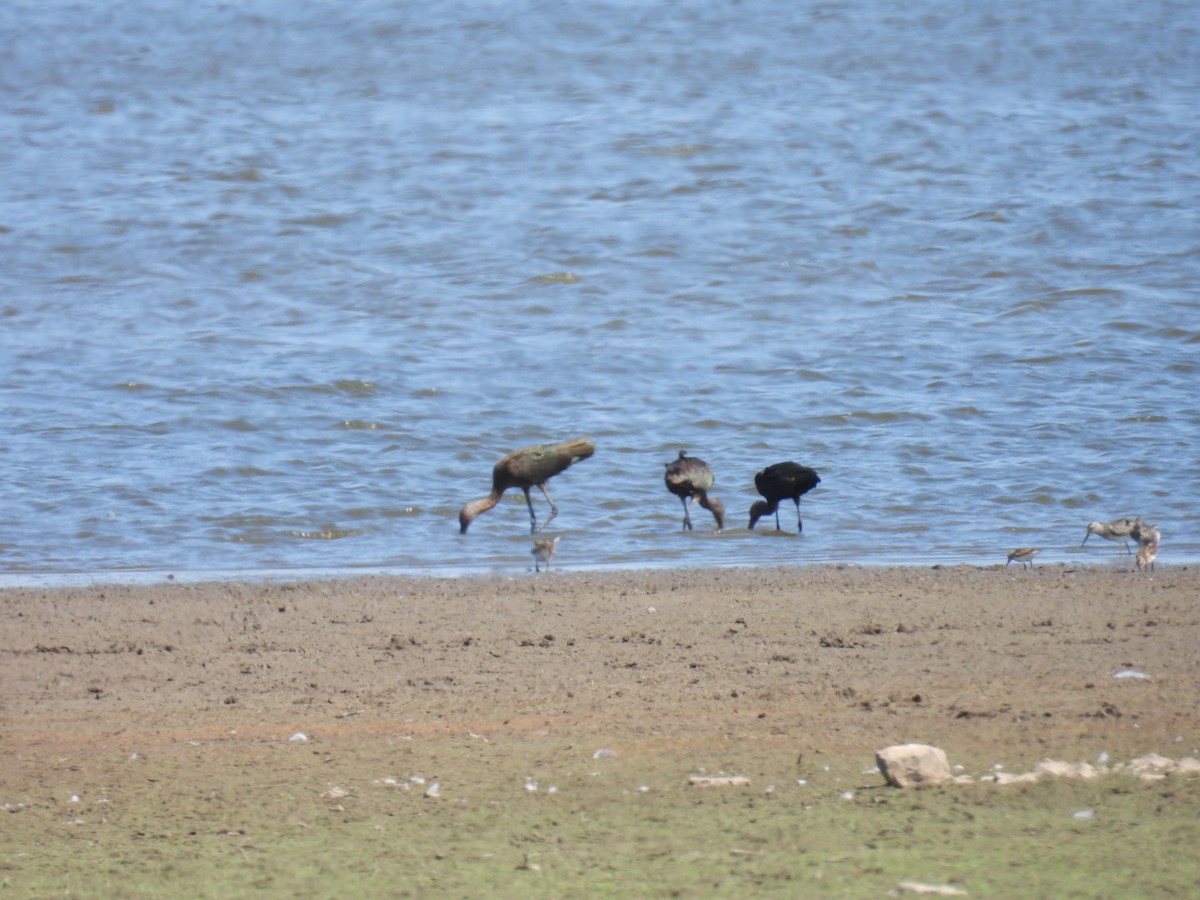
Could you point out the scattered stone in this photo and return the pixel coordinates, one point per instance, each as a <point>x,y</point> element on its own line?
<point>1152,767</point>
<point>1058,769</point>
<point>719,781</point>
<point>909,765</point>
<point>899,763</point>
<point>941,890</point>
<point>1011,778</point>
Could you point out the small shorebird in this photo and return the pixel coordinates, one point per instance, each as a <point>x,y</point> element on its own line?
<point>1024,555</point>
<point>542,550</point>
<point>528,467</point>
<point>690,479</point>
<point>1113,530</point>
<point>782,481</point>
<point>1145,533</point>
<point>1146,556</point>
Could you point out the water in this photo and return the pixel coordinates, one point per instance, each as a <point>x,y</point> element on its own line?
<point>282,281</point>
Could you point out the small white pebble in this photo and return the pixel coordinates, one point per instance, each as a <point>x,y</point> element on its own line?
<point>604,753</point>
<point>997,766</point>
<point>74,798</point>
<point>1102,757</point>
<point>801,781</point>
<point>847,795</point>
<point>1085,814</point>
<point>417,779</point>
<point>651,609</point>
<point>530,784</point>
<point>434,790</point>
<point>299,738</point>
<point>644,788</point>
<point>553,789</point>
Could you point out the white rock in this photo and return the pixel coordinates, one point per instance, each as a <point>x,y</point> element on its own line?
<point>1151,765</point>
<point>942,890</point>
<point>908,765</point>
<point>1058,769</point>
<point>1011,778</point>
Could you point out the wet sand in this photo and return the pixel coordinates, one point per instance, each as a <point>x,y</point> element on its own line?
<point>837,658</point>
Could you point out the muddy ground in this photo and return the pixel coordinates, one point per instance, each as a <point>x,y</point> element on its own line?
<point>778,674</point>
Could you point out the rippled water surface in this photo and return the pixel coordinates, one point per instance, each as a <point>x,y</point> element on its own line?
<point>281,281</point>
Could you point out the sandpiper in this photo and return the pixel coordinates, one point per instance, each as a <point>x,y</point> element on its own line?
<point>542,551</point>
<point>1145,533</point>
<point>1024,555</point>
<point>1113,530</point>
<point>1146,556</point>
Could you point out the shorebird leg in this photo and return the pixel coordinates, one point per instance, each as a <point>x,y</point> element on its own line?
<point>535,527</point>
<point>687,519</point>
<point>799,521</point>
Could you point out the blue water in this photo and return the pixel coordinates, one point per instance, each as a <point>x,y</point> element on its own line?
<point>282,281</point>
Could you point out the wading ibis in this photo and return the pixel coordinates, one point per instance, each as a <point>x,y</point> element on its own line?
<point>528,467</point>
<point>782,481</point>
<point>691,479</point>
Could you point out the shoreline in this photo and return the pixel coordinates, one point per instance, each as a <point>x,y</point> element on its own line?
<point>149,577</point>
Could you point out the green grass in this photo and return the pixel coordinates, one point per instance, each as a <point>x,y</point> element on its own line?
<point>210,821</point>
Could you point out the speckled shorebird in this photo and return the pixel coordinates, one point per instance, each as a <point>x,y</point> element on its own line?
<point>526,468</point>
<point>1146,555</point>
<point>1145,533</point>
<point>1023,555</point>
<point>542,550</point>
<point>689,478</point>
<point>782,481</point>
<point>1112,530</point>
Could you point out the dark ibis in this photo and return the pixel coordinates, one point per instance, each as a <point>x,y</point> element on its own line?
<point>782,481</point>
<point>689,478</point>
<point>528,467</point>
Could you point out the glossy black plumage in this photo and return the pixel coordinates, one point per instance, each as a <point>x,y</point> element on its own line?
<point>782,481</point>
